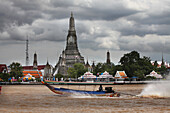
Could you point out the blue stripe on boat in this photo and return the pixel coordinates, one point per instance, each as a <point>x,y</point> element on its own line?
<point>79,91</point>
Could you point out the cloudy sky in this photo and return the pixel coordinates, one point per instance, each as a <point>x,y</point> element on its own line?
<point>119,26</point>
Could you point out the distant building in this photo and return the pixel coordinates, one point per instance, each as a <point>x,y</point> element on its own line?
<point>105,75</point>
<point>161,63</point>
<point>166,64</point>
<point>35,64</point>
<point>87,65</point>
<point>93,66</point>
<point>35,73</point>
<point>120,75</point>
<point>39,67</point>
<point>108,57</point>
<point>71,54</point>
<point>155,74</point>
<point>34,70</point>
<point>3,68</point>
<point>48,71</point>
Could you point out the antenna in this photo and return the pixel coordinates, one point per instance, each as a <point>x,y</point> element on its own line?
<point>27,56</point>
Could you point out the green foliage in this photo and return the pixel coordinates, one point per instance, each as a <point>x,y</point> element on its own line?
<point>80,69</point>
<point>101,67</point>
<point>19,80</point>
<point>162,70</point>
<point>136,66</point>
<point>16,70</point>
<point>71,72</point>
<point>139,74</point>
<point>59,76</point>
<point>77,70</point>
<point>130,58</point>
<point>38,79</point>
<point>4,76</point>
<point>98,68</point>
<point>150,78</point>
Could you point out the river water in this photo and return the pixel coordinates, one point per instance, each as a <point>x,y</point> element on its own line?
<point>39,99</point>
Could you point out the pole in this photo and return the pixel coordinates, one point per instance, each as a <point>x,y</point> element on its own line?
<point>0,89</point>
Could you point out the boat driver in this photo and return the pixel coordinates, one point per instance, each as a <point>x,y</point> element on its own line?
<point>100,88</point>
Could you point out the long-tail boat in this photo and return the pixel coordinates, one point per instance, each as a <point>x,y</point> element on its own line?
<point>64,91</point>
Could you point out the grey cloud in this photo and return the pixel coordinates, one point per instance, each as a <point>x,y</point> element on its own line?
<point>142,30</point>
<point>50,30</point>
<point>148,23</point>
<point>91,44</point>
<point>10,14</point>
<point>152,18</point>
<point>61,3</point>
<point>27,5</point>
<point>105,14</point>
<point>147,43</point>
<point>97,22</point>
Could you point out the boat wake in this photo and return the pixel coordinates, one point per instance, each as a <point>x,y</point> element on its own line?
<point>81,95</point>
<point>157,90</point>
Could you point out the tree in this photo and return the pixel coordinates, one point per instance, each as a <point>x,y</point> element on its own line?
<point>16,70</point>
<point>139,74</point>
<point>162,70</point>
<point>130,58</point>
<point>136,66</point>
<point>77,70</point>
<point>72,72</point>
<point>4,76</point>
<point>80,69</point>
<point>98,68</point>
<point>59,76</point>
<point>102,67</point>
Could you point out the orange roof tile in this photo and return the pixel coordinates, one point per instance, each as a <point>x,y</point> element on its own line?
<point>121,73</point>
<point>36,74</point>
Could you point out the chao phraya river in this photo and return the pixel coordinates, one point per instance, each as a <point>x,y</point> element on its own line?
<point>39,99</point>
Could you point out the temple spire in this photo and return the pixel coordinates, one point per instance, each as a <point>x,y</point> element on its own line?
<point>47,61</point>
<point>71,14</point>
<point>87,63</point>
<point>108,57</point>
<point>162,64</point>
<point>72,25</point>
<point>71,54</point>
<point>35,64</point>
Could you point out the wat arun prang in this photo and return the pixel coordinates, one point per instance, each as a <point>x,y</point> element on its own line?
<point>71,54</point>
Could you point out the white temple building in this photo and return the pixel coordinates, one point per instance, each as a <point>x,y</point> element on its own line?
<point>120,75</point>
<point>155,74</point>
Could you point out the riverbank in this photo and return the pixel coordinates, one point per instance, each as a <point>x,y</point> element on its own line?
<point>82,83</point>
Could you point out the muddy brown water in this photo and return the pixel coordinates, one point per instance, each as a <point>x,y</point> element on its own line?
<point>39,99</point>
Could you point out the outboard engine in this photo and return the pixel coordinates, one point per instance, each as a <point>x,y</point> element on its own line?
<point>109,90</point>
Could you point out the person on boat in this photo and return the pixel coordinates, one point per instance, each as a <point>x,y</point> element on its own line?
<point>100,88</point>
